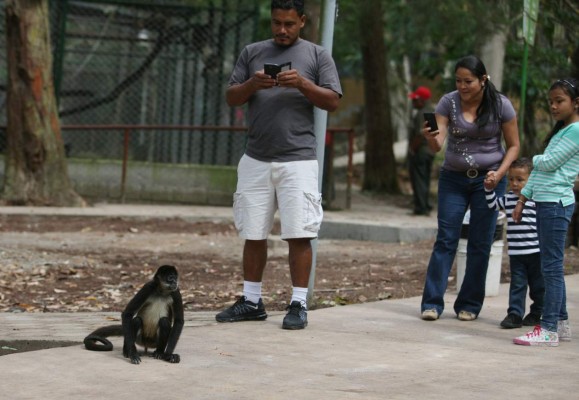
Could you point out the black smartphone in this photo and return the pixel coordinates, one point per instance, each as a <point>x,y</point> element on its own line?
<point>274,69</point>
<point>431,119</point>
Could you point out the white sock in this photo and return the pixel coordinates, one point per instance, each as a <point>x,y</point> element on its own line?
<point>252,291</point>
<point>300,294</point>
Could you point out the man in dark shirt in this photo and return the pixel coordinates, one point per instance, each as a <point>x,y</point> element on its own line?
<point>420,156</point>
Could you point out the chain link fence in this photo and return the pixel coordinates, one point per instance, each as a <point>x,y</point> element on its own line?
<point>161,63</point>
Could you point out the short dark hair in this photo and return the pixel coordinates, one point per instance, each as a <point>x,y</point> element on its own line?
<point>297,5</point>
<point>523,162</point>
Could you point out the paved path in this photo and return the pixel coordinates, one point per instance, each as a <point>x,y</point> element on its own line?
<point>380,350</point>
<point>367,219</point>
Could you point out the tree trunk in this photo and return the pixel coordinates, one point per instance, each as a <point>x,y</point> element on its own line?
<point>380,165</point>
<point>36,171</point>
<point>493,55</point>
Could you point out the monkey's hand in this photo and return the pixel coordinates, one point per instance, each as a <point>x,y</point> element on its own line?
<point>172,358</point>
<point>132,354</point>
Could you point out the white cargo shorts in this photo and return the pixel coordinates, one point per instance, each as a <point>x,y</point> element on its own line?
<point>265,187</point>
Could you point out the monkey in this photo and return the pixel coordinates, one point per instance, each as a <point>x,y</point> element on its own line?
<point>153,318</point>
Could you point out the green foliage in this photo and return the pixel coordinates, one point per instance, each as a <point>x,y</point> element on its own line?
<point>557,39</point>
<point>428,33</point>
<point>431,35</point>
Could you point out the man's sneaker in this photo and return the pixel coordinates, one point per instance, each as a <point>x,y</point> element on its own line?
<point>532,320</point>
<point>429,315</point>
<point>512,321</point>
<point>466,316</point>
<point>564,330</point>
<point>243,310</point>
<point>296,317</point>
<point>538,337</point>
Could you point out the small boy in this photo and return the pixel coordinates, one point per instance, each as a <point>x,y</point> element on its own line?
<point>523,249</point>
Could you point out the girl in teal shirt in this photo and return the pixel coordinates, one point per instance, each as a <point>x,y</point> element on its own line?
<point>551,187</point>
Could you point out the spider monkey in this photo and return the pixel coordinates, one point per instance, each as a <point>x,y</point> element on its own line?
<point>153,318</point>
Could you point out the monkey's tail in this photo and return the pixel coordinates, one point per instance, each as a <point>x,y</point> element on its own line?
<point>100,336</point>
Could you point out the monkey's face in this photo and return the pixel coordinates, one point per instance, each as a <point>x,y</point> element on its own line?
<point>168,278</point>
<point>170,282</point>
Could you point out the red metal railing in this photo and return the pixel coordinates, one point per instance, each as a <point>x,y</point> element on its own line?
<point>127,129</point>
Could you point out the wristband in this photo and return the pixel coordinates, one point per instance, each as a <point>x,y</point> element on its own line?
<point>521,201</point>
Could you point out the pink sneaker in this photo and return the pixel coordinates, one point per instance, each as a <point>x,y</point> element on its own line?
<point>538,337</point>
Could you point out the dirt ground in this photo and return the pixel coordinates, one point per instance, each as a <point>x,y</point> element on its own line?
<point>56,264</point>
<point>72,264</point>
<point>69,264</point>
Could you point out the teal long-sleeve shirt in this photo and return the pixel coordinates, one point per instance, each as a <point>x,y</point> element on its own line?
<point>555,171</point>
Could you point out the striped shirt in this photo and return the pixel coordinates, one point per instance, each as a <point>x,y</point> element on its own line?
<point>522,238</point>
<point>555,170</point>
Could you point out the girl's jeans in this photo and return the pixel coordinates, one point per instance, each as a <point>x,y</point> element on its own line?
<point>552,223</point>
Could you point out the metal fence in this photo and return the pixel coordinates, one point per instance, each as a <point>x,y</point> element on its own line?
<point>146,63</point>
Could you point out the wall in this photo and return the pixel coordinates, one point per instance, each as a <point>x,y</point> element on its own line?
<point>149,182</point>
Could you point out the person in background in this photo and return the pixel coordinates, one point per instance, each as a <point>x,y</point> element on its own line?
<point>550,186</point>
<point>420,155</point>
<point>279,170</point>
<point>475,118</point>
<point>523,243</point>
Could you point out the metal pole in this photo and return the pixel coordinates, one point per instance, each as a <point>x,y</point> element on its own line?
<point>321,119</point>
<point>530,17</point>
<point>350,169</point>
<point>523,93</point>
<point>126,138</point>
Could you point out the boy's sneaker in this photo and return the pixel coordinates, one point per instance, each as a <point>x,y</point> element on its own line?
<point>538,337</point>
<point>564,330</point>
<point>296,317</point>
<point>512,321</point>
<point>532,319</point>
<point>243,310</point>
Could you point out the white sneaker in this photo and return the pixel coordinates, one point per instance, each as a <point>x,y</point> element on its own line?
<point>429,315</point>
<point>564,330</point>
<point>538,337</point>
<point>466,316</point>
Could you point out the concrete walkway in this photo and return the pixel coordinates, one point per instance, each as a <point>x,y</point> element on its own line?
<point>379,350</point>
<point>366,220</point>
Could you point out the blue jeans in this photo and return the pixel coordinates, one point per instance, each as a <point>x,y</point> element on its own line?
<point>552,223</point>
<point>456,192</point>
<point>526,271</point>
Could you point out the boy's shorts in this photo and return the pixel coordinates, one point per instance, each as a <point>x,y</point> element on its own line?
<point>290,187</point>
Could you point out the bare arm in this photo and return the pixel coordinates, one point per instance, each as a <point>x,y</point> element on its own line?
<point>436,139</point>
<point>323,98</point>
<point>239,94</point>
<point>511,135</point>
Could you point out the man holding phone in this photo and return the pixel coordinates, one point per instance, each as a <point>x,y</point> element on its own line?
<point>279,170</point>
<point>420,156</point>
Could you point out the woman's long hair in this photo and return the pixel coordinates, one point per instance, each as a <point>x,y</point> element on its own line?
<point>491,102</point>
<point>571,87</point>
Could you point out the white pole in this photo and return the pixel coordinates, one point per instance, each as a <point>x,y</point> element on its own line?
<point>328,17</point>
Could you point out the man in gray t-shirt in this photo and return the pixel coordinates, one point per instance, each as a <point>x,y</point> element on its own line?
<point>279,170</point>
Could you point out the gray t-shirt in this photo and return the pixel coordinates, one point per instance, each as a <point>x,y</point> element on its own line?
<point>468,145</point>
<point>281,120</point>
